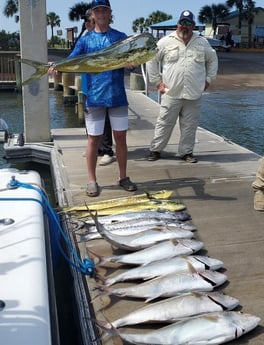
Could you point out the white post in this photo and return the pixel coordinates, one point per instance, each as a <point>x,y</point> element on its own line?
<point>33,45</point>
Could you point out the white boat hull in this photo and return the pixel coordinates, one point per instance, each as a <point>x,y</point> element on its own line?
<point>24,292</point>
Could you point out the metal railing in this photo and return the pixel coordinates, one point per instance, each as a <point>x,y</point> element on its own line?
<point>9,67</point>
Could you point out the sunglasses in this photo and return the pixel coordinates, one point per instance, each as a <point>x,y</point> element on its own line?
<point>185,22</point>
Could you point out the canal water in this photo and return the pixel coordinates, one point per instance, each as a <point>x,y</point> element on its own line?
<point>235,115</point>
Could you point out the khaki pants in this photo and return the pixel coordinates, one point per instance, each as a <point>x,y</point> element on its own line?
<point>258,184</point>
<point>171,109</point>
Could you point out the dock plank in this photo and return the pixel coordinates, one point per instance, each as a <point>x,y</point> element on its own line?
<point>216,191</point>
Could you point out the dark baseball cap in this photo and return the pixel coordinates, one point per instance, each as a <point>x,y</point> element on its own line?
<point>97,3</point>
<point>188,15</point>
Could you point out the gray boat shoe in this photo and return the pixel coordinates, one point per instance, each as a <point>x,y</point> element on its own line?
<point>92,189</point>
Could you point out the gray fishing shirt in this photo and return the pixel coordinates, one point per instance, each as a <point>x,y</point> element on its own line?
<point>184,68</point>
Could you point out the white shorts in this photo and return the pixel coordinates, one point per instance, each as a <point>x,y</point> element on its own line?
<point>95,119</point>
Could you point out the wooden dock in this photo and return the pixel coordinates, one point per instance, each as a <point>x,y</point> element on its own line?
<point>217,193</point>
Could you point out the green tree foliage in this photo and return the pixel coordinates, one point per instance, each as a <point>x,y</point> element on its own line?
<point>11,9</point>
<point>239,4</point>
<point>53,20</point>
<point>9,41</point>
<point>142,24</point>
<point>249,14</point>
<point>78,11</point>
<point>213,14</point>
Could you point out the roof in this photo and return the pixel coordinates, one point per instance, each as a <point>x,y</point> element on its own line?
<point>170,24</point>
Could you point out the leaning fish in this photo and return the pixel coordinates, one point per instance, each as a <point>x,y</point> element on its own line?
<point>162,250</point>
<point>178,264</point>
<point>141,230</point>
<point>134,50</point>
<point>208,329</point>
<point>169,285</point>
<point>141,239</point>
<point>176,308</point>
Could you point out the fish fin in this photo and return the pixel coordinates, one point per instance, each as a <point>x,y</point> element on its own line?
<point>151,298</point>
<point>41,69</point>
<point>191,269</point>
<point>101,259</point>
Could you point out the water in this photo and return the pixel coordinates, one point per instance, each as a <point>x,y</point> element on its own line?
<point>235,115</point>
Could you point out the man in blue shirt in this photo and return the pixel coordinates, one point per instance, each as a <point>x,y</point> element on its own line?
<point>105,93</point>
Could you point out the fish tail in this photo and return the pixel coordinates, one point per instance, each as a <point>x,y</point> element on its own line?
<point>107,327</point>
<point>40,67</point>
<point>100,277</point>
<point>101,259</point>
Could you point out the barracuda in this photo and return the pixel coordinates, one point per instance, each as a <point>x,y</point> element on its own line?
<point>147,214</point>
<point>131,228</point>
<point>177,308</point>
<point>209,329</point>
<point>142,239</point>
<point>134,50</point>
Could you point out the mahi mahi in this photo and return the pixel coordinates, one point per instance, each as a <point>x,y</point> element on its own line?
<point>176,308</point>
<point>134,50</point>
<point>208,329</point>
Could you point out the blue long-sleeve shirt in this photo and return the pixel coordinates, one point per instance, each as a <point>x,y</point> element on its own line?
<point>105,89</point>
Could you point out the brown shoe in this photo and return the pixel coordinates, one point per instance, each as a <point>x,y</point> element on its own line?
<point>127,184</point>
<point>259,200</point>
<point>153,156</point>
<point>189,158</point>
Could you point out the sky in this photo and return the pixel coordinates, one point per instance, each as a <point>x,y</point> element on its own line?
<point>124,12</point>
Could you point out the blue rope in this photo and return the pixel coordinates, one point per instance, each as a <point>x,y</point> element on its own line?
<point>85,266</point>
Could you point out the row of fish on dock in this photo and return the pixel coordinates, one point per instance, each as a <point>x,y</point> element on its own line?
<point>175,281</point>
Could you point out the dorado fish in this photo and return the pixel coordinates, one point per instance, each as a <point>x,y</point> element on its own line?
<point>153,204</point>
<point>208,329</point>
<point>170,285</point>
<point>134,50</point>
<point>178,264</point>
<point>123,201</point>
<point>140,240</point>
<point>176,308</point>
<point>162,250</point>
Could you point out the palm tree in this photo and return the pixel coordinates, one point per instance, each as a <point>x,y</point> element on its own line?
<point>138,25</point>
<point>11,9</point>
<point>78,11</point>
<point>212,14</point>
<point>249,14</point>
<point>141,24</point>
<point>239,4</point>
<point>53,20</point>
